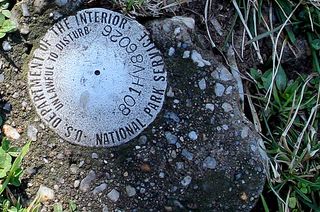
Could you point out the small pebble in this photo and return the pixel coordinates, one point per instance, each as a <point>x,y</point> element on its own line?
<point>161,175</point>
<point>193,135</point>
<point>131,191</point>
<point>219,89</point>
<point>210,106</point>
<point>172,139</point>
<point>44,194</point>
<point>185,153</point>
<point>143,139</point>
<point>94,156</point>
<point>25,10</point>
<point>186,180</point>
<point>99,188</point>
<point>172,117</point>
<point>76,183</point>
<point>171,51</point>
<point>202,84</point>
<point>145,167</point>
<point>227,107</point>
<point>24,29</point>
<point>245,132</point>
<point>179,165</point>
<point>113,195</point>
<point>74,169</point>
<point>10,132</point>
<point>85,183</point>
<point>186,54</point>
<point>32,132</point>
<point>209,163</point>
<point>1,78</point>
<point>170,93</point>
<point>6,46</point>
<point>197,58</point>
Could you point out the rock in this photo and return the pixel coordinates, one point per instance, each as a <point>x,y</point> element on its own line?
<point>131,191</point>
<point>189,22</point>
<point>226,145</point>
<point>39,5</point>
<point>1,78</point>
<point>85,183</point>
<point>74,169</point>
<point>171,116</point>
<point>210,106</point>
<point>201,175</point>
<point>145,167</point>
<point>186,180</point>
<point>202,84</point>
<point>197,59</point>
<point>32,132</point>
<point>24,29</point>
<point>193,135</point>
<point>170,93</point>
<point>171,51</point>
<point>99,188</point>
<point>25,10</point>
<point>44,193</point>
<point>227,107</point>
<point>143,139</point>
<point>10,132</point>
<point>219,90</point>
<point>113,195</point>
<point>209,163</point>
<point>186,54</point>
<point>172,139</point>
<point>76,183</point>
<point>185,153</point>
<point>6,46</point>
<point>94,156</point>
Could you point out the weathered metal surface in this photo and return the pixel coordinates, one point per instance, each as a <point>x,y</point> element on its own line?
<point>97,79</point>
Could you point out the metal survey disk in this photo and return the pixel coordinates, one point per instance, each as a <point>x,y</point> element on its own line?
<point>97,79</point>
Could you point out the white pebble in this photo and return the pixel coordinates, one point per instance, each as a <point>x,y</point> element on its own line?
<point>6,46</point>
<point>171,51</point>
<point>193,135</point>
<point>113,195</point>
<point>227,107</point>
<point>186,180</point>
<point>209,163</point>
<point>131,191</point>
<point>210,106</point>
<point>99,188</point>
<point>197,58</point>
<point>94,156</point>
<point>186,54</point>
<point>202,84</point>
<point>76,183</point>
<point>219,89</point>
